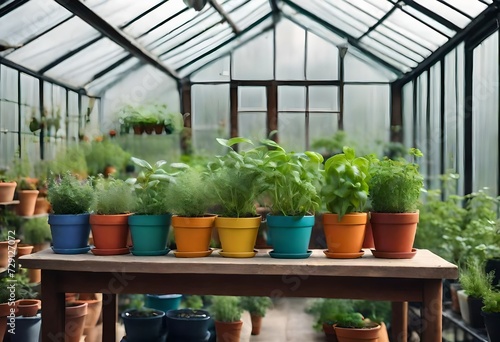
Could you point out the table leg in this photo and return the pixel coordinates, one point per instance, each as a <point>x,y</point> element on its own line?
<point>400,321</point>
<point>53,308</point>
<point>109,315</point>
<point>432,311</point>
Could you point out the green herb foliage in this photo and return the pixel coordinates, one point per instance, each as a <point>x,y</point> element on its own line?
<point>194,302</point>
<point>491,301</point>
<point>351,320</point>
<point>151,187</point>
<point>236,179</point>
<point>226,308</point>
<point>69,195</point>
<point>36,230</point>
<point>395,185</point>
<point>112,197</point>
<point>256,305</point>
<point>189,194</point>
<point>346,186</point>
<point>292,180</point>
<point>100,154</point>
<point>474,280</point>
<point>328,310</point>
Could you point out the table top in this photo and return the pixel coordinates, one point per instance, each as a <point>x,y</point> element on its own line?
<point>424,265</point>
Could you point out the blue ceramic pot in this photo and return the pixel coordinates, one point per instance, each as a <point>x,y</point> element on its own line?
<point>290,234</point>
<point>164,302</point>
<point>188,324</point>
<point>69,232</point>
<point>139,328</point>
<point>149,233</point>
<point>27,329</point>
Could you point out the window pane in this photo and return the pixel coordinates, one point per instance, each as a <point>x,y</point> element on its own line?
<point>252,125</point>
<point>321,126</point>
<point>322,59</point>
<point>291,98</point>
<point>254,60</point>
<point>119,12</point>
<point>292,131</point>
<point>215,71</point>
<point>290,51</point>
<point>445,12</point>
<point>323,98</point>
<point>252,98</point>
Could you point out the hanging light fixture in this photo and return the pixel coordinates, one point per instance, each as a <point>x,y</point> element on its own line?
<point>197,5</point>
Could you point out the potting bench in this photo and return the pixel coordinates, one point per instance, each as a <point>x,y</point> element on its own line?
<point>399,281</point>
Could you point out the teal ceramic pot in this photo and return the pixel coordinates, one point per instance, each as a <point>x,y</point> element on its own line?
<point>149,233</point>
<point>290,234</point>
<point>163,302</point>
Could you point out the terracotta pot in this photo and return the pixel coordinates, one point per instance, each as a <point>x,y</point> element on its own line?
<point>329,331</point>
<point>193,234</point>
<point>138,129</point>
<point>228,331</point>
<point>370,334</point>
<point>75,322</point>
<point>394,233</point>
<point>110,231</point>
<point>42,206</point>
<point>7,191</point>
<point>28,307</point>
<point>149,128</point>
<point>159,128</point>
<point>35,275</point>
<point>368,241</point>
<point>5,310</point>
<point>346,236</point>
<point>24,249</point>
<point>7,248</point>
<point>454,288</point>
<point>94,307</point>
<point>27,202</point>
<point>37,247</point>
<point>256,324</point>
<point>70,297</point>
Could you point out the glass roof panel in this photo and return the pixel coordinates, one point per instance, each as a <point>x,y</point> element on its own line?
<point>119,12</point>
<point>96,86</point>
<point>436,26</point>
<point>394,45</point>
<point>403,40</point>
<point>351,11</point>
<point>384,56</point>
<point>382,50</point>
<point>472,8</point>
<point>81,67</point>
<point>445,12</point>
<point>247,13</point>
<point>54,44</point>
<point>30,20</point>
<point>5,3</point>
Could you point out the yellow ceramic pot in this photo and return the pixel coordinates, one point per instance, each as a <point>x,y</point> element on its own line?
<point>238,235</point>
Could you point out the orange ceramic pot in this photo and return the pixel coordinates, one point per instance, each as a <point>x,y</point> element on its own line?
<point>394,232</point>
<point>344,236</point>
<point>27,202</point>
<point>369,334</point>
<point>109,231</point>
<point>7,191</point>
<point>75,321</point>
<point>228,331</point>
<point>193,234</point>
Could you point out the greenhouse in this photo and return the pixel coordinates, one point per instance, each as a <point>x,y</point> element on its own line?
<point>277,112</point>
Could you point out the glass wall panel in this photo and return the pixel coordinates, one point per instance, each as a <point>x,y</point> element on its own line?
<point>254,60</point>
<point>210,117</point>
<point>290,51</point>
<point>252,125</point>
<point>485,116</point>
<point>291,98</point>
<point>435,137</point>
<point>450,114</point>
<point>322,126</point>
<point>322,59</point>
<point>292,131</point>
<point>461,113</point>
<point>215,71</point>
<point>358,70</point>
<point>324,98</point>
<point>8,115</point>
<point>408,114</point>
<point>252,99</point>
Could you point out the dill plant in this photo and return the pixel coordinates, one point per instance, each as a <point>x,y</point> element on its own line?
<point>189,195</point>
<point>112,197</point>
<point>70,196</point>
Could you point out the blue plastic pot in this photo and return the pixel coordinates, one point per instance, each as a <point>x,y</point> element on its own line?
<point>149,233</point>
<point>27,329</point>
<point>180,325</point>
<point>290,234</point>
<point>164,302</point>
<point>140,329</point>
<point>69,232</point>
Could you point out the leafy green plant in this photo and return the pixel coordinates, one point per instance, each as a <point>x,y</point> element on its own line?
<point>236,178</point>
<point>69,195</point>
<point>226,308</point>
<point>256,305</point>
<point>26,184</point>
<point>395,185</point>
<point>327,310</point>
<point>376,311</point>
<point>192,197</point>
<point>194,302</point>
<point>292,180</point>
<point>151,186</point>
<point>346,183</point>
<point>491,301</point>
<point>100,154</point>
<point>351,320</point>
<point>36,230</point>
<point>474,280</point>
<point>112,197</point>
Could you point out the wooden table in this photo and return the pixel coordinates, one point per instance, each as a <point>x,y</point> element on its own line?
<point>399,281</point>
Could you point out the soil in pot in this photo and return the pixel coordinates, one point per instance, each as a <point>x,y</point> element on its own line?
<point>143,325</point>
<point>188,323</point>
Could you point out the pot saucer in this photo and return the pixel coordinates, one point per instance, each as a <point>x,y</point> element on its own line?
<point>116,251</point>
<point>238,254</point>
<point>332,255</point>
<point>395,255</point>
<point>150,253</point>
<point>275,255</point>
<point>183,339</point>
<point>82,250</point>
<point>192,254</point>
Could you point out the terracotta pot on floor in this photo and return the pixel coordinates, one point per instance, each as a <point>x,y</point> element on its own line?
<point>228,331</point>
<point>75,321</point>
<point>256,324</point>
<point>329,331</point>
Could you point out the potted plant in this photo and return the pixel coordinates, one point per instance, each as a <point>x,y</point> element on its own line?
<point>345,193</point>
<point>235,181</point>
<point>143,324</point>
<point>8,247</point>
<point>395,187</point>
<point>7,188</point>
<point>150,223</point>
<point>8,304</point>
<point>491,314</point>
<point>189,324</point>
<point>257,307</point>
<point>325,312</point>
<point>227,312</point>
<point>109,220</point>
<point>191,224</point>
<point>475,283</point>
<point>353,327</point>
<point>27,194</point>
<point>70,200</point>
<point>292,181</point>
<point>27,321</point>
